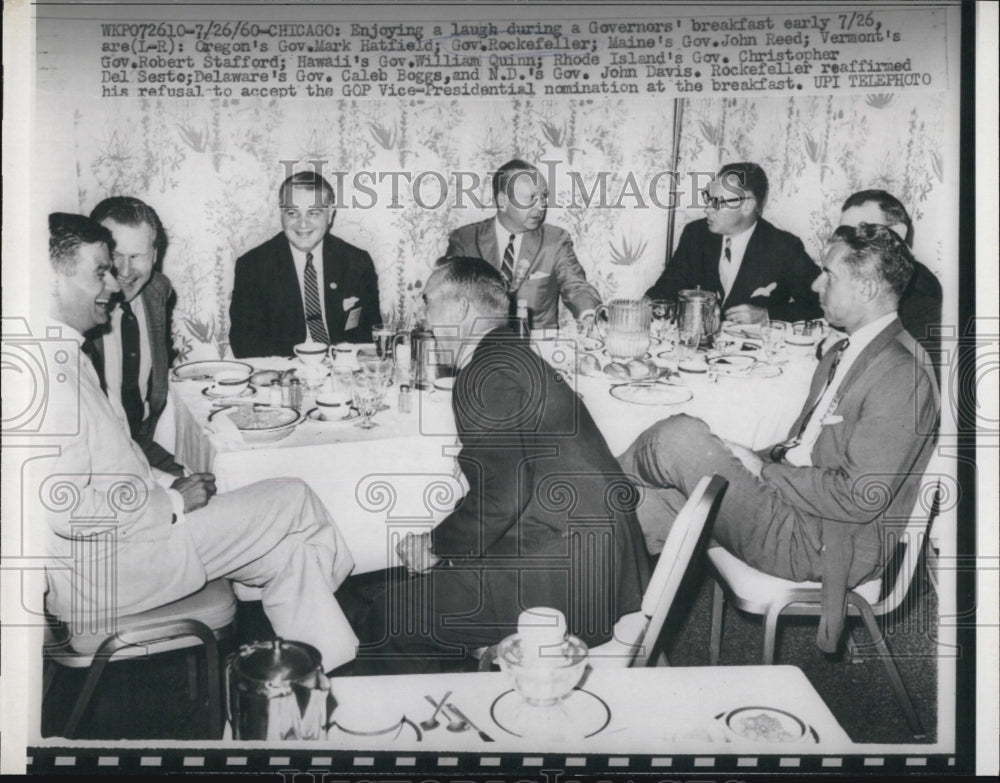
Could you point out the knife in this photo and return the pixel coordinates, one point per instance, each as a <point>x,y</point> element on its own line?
<point>461,716</point>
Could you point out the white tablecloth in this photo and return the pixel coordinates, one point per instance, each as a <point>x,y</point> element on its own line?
<point>399,476</point>
<point>658,711</point>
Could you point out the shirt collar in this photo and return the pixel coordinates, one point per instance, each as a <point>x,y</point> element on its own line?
<point>738,242</point>
<point>300,256</point>
<point>503,237</point>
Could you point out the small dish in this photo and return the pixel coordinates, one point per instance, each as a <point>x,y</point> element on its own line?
<point>590,714</point>
<point>264,424</point>
<point>212,394</point>
<point>695,366</point>
<point>732,364</point>
<point>264,377</point>
<point>651,393</point>
<point>758,371</point>
<point>445,384</point>
<point>206,370</point>
<point>801,339</point>
<point>765,724</point>
<point>745,331</point>
<point>330,417</point>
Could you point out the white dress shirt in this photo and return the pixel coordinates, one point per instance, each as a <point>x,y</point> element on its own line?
<point>113,354</point>
<point>801,455</point>
<point>503,237</point>
<point>728,270</point>
<point>300,269</point>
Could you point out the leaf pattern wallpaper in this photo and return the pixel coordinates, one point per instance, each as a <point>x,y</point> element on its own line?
<point>211,169</point>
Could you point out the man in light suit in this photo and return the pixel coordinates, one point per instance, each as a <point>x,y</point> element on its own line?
<point>139,375</point>
<point>122,542</point>
<point>812,507</point>
<point>539,525</point>
<point>920,305</point>
<point>536,260</point>
<point>757,269</point>
<point>303,283</point>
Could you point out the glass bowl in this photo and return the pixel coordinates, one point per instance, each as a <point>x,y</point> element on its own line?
<point>546,679</point>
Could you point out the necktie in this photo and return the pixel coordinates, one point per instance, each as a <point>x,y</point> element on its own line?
<point>314,313</point>
<point>96,359</point>
<point>728,251</point>
<point>131,398</point>
<point>778,452</point>
<point>507,269</point>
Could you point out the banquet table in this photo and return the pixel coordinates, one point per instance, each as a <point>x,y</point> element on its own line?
<point>400,476</point>
<point>656,710</point>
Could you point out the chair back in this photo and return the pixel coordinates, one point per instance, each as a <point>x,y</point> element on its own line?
<point>678,550</point>
<point>905,539</point>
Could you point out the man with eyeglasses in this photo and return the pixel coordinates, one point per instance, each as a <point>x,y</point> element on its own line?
<point>303,283</point>
<point>758,270</point>
<point>134,347</point>
<point>536,260</point>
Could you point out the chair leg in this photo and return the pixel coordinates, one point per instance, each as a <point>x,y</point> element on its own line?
<point>771,633</point>
<point>49,671</point>
<point>853,651</point>
<point>916,727</point>
<point>214,685</point>
<point>661,659</point>
<point>101,658</point>
<point>718,610</point>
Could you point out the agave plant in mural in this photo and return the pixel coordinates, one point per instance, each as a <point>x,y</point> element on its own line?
<point>627,253</point>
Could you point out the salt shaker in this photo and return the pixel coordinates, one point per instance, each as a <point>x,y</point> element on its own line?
<point>275,396</point>
<point>405,400</point>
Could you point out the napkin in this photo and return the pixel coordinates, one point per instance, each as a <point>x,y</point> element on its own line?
<point>223,428</point>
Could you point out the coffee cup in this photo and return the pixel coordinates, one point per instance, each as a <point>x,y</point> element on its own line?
<point>311,353</point>
<point>231,382</point>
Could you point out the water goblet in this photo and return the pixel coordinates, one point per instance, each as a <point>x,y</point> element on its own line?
<point>383,336</point>
<point>664,314</point>
<point>688,340</point>
<point>773,338</point>
<point>367,394</point>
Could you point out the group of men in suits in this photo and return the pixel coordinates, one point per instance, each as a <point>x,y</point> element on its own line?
<point>794,511</point>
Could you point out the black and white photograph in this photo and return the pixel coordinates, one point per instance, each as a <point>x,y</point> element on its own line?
<point>550,390</point>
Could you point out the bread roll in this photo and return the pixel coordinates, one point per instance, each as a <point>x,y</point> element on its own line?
<point>616,370</point>
<point>589,365</point>
<point>637,369</point>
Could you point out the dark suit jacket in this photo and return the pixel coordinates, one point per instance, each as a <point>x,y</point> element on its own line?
<point>266,316</point>
<point>157,299</point>
<point>547,500</point>
<point>772,256</point>
<point>866,464</point>
<point>545,270</point>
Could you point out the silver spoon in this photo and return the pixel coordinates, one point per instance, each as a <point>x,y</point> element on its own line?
<point>432,721</point>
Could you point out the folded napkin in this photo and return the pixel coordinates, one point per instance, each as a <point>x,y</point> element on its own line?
<point>225,430</point>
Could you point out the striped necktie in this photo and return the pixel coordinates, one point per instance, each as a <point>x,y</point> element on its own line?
<point>314,312</point>
<point>507,269</point>
<point>97,360</point>
<point>778,452</point>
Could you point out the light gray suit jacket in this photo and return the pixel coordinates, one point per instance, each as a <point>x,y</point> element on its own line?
<point>545,270</point>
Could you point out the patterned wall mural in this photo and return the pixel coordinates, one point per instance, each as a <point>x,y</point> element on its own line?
<point>211,169</point>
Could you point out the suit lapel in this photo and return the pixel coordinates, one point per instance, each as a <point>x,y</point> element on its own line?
<point>486,242</point>
<point>712,249</point>
<point>287,280</point>
<point>334,280</point>
<point>746,278</point>
<point>873,349</point>
<point>156,314</point>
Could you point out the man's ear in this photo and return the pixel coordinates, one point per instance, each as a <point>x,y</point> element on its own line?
<point>869,287</point>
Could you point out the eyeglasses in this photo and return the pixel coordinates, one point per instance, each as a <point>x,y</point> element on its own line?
<point>714,202</point>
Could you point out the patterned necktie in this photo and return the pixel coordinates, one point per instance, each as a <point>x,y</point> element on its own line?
<point>507,269</point>
<point>778,452</point>
<point>131,398</point>
<point>97,360</point>
<point>314,313</point>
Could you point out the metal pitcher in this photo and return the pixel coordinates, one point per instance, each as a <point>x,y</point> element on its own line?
<point>698,310</point>
<point>275,690</point>
<point>624,325</point>
<point>424,357</point>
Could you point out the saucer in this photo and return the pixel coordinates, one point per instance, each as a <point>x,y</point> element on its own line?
<point>247,393</point>
<point>320,417</point>
<point>589,713</point>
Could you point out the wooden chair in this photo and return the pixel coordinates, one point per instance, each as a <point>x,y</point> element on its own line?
<point>197,620</point>
<point>755,592</point>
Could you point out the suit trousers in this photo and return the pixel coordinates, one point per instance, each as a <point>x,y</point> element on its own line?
<point>277,536</point>
<point>753,521</point>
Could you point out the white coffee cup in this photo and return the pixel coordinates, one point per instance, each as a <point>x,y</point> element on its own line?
<point>229,383</point>
<point>311,353</point>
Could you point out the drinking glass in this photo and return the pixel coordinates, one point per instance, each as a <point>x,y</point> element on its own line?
<point>688,339</point>
<point>367,393</point>
<point>383,336</point>
<point>772,335</point>
<point>664,316</point>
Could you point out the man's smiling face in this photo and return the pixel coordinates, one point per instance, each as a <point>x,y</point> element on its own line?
<point>83,295</point>
<point>304,218</point>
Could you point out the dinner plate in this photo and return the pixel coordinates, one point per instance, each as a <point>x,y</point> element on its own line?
<point>731,365</point>
<point>746,331</point>
<point>404,729</point>
<point>698,365</point>
<point>321,417</point>
<point>248,393</point>
<point>206,370</point>
<point>651,393</point>
<point>589,713</point>
<point>765,724</point>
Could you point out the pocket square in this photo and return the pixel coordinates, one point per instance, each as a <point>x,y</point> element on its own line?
<point>538,275</point>
<point>350,302</point>
<point>764,291</point>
